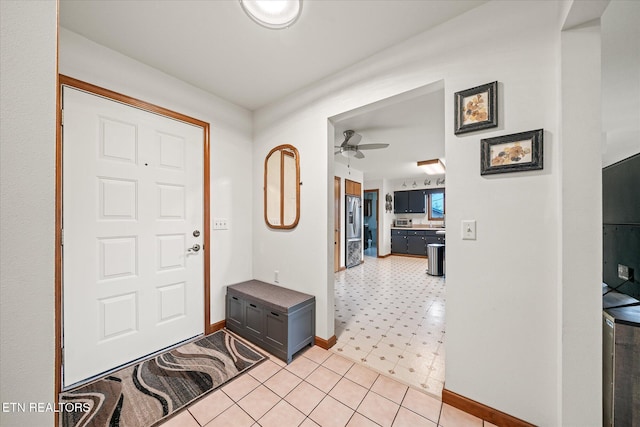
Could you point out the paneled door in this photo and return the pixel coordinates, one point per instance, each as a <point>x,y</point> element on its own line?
<point>133,266</point>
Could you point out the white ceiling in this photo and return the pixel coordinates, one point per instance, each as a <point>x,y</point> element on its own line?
<point>213,45</point>
<point>411,123</point>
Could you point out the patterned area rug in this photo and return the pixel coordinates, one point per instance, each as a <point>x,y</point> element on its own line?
<point>148,392</point>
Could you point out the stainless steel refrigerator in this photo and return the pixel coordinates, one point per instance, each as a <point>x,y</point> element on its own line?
<point>353,230</point>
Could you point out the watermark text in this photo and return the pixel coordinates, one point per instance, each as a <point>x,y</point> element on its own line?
<point>45,407</point>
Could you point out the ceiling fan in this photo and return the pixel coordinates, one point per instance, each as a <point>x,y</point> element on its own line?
<point>350,147</point>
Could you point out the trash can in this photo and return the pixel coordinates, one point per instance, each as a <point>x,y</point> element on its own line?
<point>435,253</point>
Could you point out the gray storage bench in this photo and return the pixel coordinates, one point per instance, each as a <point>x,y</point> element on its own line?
<point>280,320</point>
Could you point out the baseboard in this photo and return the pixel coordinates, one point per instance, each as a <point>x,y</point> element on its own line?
<point>217,326</point>
<point>482,411</point>
<point>411,256</point>
<point>384,256</point>
<point>326,344</point>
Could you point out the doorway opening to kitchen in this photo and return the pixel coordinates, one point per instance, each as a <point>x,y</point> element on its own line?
<point>389,313</point>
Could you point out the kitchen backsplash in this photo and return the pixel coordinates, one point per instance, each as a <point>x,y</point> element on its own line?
<point>420,220</point>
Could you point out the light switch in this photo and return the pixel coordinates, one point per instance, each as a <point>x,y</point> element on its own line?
<point>468,229</point>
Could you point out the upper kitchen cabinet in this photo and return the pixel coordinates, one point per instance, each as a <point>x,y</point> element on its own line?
<point>417,201</point>
<point>413,201</point>
<point>400,201</point>
<point>352,188</point>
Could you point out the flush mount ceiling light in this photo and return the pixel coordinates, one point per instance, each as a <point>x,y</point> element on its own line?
<point>432,167</point>
<point>274,14</point>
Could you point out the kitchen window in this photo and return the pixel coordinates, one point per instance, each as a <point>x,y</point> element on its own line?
<point>436,205</point>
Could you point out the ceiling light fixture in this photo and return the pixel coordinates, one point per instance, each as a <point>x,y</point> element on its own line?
<point>348,152</point>
<point>432,167</point>
<point>274,14</point>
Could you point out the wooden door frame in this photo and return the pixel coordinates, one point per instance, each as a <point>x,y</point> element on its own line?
<point>206,248</point>
<point>377,193</point>
<point>337,182</point>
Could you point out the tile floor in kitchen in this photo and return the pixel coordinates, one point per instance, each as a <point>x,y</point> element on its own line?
<point>328,388</point>
<point>390,317</point>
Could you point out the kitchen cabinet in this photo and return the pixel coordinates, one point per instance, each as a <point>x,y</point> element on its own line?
<point>401,202</point>
<point>280,320</point>
<point>352,188</point>
<point>412,201</point>
<point>399,244</point>
<point>414,242</point>
<point>433,237</point>
<point>417,201</point>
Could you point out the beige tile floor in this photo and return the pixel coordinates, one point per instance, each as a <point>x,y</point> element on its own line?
<point>319,388</point>
<point>389,316</point>
<point>389,324</point>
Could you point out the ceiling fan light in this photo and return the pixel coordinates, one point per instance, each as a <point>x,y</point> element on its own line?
<point>273,14</point>
<point>432,167</point>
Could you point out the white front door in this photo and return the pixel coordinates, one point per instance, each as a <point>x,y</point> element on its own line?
<point>132,209</point>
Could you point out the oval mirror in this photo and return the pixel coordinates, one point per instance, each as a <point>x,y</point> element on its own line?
<point>282,187</point>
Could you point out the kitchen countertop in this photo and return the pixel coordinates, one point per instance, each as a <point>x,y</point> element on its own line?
<point>419,228</point>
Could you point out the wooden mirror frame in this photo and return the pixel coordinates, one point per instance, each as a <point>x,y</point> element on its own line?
<point>281,151</point>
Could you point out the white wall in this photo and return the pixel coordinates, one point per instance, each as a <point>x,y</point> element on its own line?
<point>620,81</point>
<point>502,301</point>
<point>581,248</point>
<point>503,315</point>
<point>230,147</point>
<point>27,173</point>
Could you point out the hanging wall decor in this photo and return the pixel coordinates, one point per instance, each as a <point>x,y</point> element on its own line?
<point>511,153</point>
<point>388,206</point>
<point>476,108</point>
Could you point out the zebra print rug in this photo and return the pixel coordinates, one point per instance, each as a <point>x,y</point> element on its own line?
<point>150,391</point>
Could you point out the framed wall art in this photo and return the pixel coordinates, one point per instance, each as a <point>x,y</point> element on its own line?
<point>511,153</point>
<point>476,108</point>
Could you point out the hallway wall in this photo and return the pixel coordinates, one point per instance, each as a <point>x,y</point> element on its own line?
<point>504,309</point>
<point>27,202</point>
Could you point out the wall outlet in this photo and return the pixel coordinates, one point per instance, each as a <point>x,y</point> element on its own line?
<point>624,272</point>
<point>220,224</point>
<point>276,278</point>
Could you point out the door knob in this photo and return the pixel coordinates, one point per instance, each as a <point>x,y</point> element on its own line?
<point>194,248</point>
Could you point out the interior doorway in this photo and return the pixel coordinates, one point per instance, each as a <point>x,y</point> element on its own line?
<point>370,235</point>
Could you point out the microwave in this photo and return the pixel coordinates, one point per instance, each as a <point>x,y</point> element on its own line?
<point>403,222</point>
